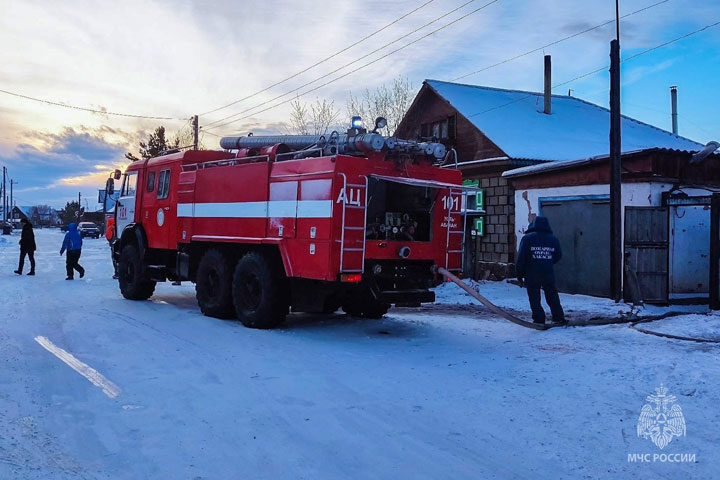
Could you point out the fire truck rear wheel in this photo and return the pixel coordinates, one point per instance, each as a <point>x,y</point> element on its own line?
<point>213,286</point>
<point>133,285</point>
<point>259,294</point>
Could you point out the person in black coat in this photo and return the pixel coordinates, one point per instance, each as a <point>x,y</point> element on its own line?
<point>27,247</point>
<point>539,251</point>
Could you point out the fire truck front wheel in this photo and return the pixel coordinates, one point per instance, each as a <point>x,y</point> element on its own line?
<point>133,284</point>
<point>258,292</point>
<point>213,286</point>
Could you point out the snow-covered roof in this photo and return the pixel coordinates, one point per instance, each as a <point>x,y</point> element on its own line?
<point>515,122</point>
<point>26,210</point>
<point>559,165</point>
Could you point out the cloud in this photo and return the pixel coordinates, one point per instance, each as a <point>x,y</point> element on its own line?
<point>201,55</point>
<point>73,158</point>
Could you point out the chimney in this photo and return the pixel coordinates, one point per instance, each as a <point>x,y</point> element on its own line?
<point>548,85</point>
<point>673,101</point>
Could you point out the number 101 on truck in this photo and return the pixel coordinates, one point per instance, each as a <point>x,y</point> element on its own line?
<point>307,223</point>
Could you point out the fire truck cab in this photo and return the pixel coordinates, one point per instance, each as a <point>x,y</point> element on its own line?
<point>301,223</point>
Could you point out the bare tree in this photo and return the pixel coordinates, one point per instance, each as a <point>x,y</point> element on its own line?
<point>390,102</point>
<point>324,116</point>
<point>185,137</point>
<point>317,119</point>
<point>299,118</point>
<point>44,214</point>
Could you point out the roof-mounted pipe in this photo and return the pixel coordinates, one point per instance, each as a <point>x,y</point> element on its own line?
<point>705,152</point>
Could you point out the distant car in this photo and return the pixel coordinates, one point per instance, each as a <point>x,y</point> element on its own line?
<point>89,229</point>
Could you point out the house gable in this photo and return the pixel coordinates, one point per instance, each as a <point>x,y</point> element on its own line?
<point>429,108</point>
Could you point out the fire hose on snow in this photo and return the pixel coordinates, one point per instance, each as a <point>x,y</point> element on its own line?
<point>491,306</point>
<point>539,326</point>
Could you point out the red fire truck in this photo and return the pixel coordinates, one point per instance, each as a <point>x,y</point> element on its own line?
<point>310,223</point>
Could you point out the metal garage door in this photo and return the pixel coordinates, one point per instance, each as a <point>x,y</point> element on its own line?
<point>583,228</point>
<point>690,249</point>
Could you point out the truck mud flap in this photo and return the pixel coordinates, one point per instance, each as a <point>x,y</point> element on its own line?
<point>407,296</point>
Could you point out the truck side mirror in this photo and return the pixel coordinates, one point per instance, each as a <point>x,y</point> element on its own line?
<point>110,186</point>
<point>117,175</point>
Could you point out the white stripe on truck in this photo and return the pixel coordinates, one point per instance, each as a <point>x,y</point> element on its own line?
<point>272,208</point>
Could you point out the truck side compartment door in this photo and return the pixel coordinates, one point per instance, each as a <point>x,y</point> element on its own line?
<point>185,205</point>
<point>282,209</point>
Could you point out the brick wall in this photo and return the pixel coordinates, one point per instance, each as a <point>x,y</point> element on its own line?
<point>495,251</point>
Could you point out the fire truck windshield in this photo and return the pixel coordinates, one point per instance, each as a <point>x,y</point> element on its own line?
<point>129,184</point>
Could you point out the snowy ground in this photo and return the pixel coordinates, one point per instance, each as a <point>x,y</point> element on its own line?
<point>445,391</point>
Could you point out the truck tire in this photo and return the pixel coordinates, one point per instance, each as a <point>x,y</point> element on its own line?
<point>133,284</point>
<point>260,296</point>
<point>213,285</point>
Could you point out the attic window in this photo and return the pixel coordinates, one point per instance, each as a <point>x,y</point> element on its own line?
<point>442,129</point>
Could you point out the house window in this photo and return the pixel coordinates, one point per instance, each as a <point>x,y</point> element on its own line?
<point>151,182</point>
<point>163,184</point>
<point>441,130</point>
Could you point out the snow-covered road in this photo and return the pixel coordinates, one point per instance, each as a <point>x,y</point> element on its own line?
<point>446,391</point>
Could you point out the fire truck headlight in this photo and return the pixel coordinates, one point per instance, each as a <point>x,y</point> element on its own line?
<point>380,122</point>
<point>357,122</point>
<point>404,252</point>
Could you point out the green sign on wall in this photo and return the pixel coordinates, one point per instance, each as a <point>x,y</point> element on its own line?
<point>479,226</point>
<point>477,201</point>
<point>480,200</point>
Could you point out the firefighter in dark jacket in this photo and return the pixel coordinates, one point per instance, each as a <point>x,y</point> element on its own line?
<point>27,247</point>
<point>73,244</point>
<point>539,251</point>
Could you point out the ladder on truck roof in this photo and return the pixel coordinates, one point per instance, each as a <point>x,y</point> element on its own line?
<point>461,197</point>
<point>350,230</point>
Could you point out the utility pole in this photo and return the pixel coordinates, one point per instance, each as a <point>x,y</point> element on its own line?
<point>196,131</point>
<point>12,182</point>
<point>4,196</point>
<point>615,172</point>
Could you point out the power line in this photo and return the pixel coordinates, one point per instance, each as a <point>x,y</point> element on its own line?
<point>211,133</point>
<point>366,37</point>
<point>557,41</point>
<point>84,109</point>
<point>673,40</point>
<point>351,71</point>
<point>346,65</point>
<point>357,60</point>
<point>601,69</point>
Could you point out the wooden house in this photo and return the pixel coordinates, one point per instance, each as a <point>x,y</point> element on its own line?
<point>497,130</point>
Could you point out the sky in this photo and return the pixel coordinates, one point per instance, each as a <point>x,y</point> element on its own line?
<point>174,59</point>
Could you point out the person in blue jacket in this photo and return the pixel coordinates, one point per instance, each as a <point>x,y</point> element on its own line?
<point>539,251</point>
<point>73,244</point>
